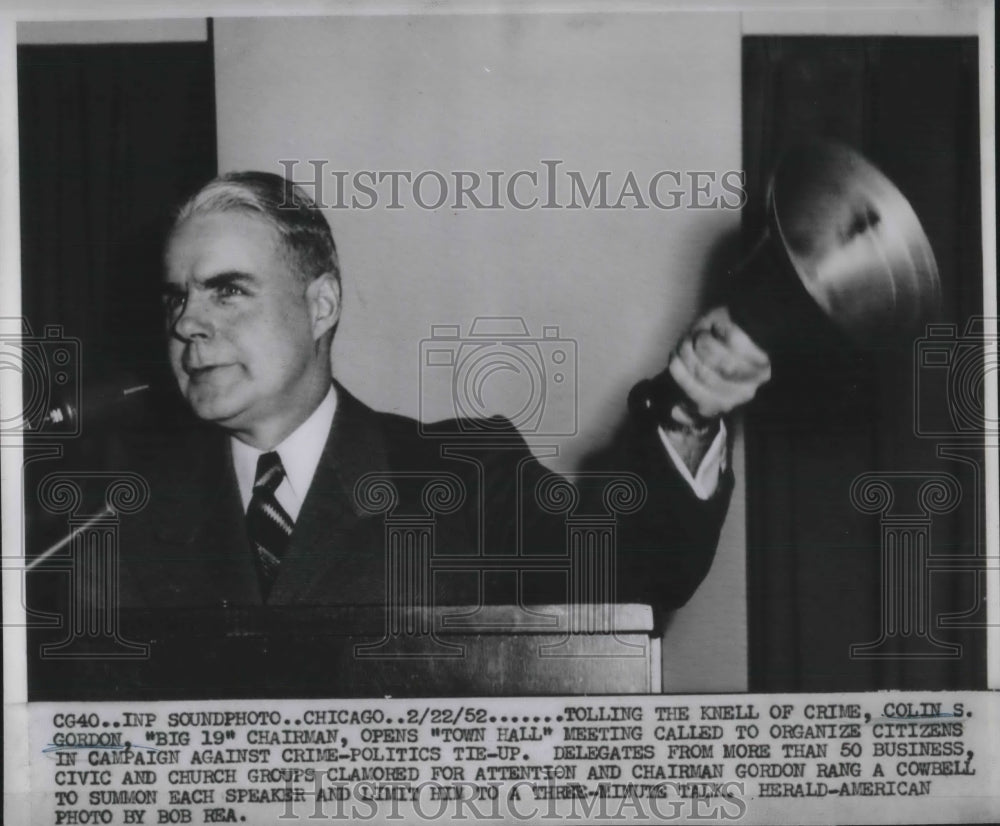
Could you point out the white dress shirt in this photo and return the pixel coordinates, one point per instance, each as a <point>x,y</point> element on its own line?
<point>301,450</point>
<point>706,480</point>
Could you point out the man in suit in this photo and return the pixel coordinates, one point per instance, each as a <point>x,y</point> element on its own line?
<point>265,503</point>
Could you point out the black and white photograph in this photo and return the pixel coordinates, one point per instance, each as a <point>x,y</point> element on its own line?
<point>367,354</point>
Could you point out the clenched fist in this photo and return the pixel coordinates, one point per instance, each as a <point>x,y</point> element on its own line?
<point>717,367</point>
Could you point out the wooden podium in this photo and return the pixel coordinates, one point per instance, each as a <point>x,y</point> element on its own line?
<point>365,651</point>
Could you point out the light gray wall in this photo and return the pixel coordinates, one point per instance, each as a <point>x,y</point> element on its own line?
<point>634,92</point>
<point>52,32</point>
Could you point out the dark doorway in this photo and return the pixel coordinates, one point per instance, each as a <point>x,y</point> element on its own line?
<point>112,137</point>
<point>817,589</point>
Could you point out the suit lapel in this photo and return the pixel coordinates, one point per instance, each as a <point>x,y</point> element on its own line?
<point>325,548</point>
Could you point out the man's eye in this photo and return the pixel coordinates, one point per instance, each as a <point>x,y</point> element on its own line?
<point>173,301</point>
<point>230,290</point>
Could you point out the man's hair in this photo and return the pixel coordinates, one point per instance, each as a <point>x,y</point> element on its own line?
<point>304,232</point>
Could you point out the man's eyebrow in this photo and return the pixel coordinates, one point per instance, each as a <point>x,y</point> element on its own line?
<point>228,278</point>
<point>213,282</point>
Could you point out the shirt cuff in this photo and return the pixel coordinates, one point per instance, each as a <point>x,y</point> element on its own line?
<point>706,481</point>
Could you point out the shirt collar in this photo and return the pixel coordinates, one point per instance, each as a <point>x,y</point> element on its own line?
<point>300,452</point>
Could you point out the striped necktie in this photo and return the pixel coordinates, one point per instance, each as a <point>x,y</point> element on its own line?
<point>268,525</point>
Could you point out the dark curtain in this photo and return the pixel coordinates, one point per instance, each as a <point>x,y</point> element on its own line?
<point>111,138</point>
<point>815,576</point>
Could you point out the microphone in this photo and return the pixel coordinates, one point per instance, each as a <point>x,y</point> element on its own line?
<point>94,403</point>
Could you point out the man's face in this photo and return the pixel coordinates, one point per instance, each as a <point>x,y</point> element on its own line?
<point>244,342</point>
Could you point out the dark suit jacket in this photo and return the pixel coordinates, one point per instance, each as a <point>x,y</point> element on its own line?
<point>189,548</point>
<point>189,590</point>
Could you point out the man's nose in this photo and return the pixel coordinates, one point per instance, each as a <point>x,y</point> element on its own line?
<point>194,320</point>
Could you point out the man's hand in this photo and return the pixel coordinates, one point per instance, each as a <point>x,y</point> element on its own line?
<point>718,367</point>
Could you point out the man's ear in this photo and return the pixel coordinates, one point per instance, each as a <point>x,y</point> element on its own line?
<point>323,295</point>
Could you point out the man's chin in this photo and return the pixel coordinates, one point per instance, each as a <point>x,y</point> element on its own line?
<point>213,409</point>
